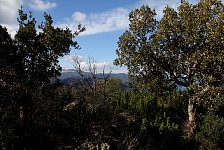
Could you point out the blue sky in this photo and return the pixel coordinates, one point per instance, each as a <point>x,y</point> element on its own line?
<point>105,21</point>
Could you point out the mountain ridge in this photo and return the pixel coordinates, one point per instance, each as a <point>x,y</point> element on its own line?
<point>72,73</point>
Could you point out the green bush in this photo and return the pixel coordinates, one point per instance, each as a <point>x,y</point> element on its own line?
<point>211,132</point>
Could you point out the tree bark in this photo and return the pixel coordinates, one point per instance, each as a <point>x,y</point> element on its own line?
<point>191,124</point>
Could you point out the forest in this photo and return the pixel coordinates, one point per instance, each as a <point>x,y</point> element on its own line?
<point>174,98</point>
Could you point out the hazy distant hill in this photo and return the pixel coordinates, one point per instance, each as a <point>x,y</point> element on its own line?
<point>69,73</point>
<point>71,76</point>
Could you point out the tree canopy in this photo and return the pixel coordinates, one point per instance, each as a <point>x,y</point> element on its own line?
<point>41,46</point>
<point>184,48</point>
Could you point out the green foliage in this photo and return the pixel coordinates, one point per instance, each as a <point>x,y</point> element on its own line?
<point>133,48</point>
<point>184,48</point>
<point>166,125</point>
<point>177,50</point>
<point>41,49</point>
<point>26,64</point>
<point>10,86</point>
<point>211,132</point>
<point>156,118</point>
<point>9,67</point>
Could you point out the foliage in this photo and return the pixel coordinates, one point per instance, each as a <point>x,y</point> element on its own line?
<point>9,67</point>
<point>211,132</point>
<point>155,118</point>
<point>10,86</point>
<point>183,49</point>
<point>26,63</point>
<point>133,45</point>
<point>40,50</point>
<point>178,50</point>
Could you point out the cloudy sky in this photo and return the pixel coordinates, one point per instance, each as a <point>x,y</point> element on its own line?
<point>105,21</point>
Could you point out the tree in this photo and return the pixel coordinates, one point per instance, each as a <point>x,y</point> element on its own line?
<point>133,45</point>
<point>28,62</point>
<point>91,79</point>
<point>41,50</point>
<point>185,48</point>
<point>10,85</point>
<point>9,67</point>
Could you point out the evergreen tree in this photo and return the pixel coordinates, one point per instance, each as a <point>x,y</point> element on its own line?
<point>184,49</point>
<point>40,49</point>
<point>26,64</point>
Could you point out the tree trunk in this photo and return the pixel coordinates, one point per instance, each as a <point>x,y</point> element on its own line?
<point>191,124</point>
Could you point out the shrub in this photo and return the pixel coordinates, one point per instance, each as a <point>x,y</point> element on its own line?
<point>211,132</point>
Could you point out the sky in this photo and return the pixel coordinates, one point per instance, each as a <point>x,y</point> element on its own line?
<point>104,20</point>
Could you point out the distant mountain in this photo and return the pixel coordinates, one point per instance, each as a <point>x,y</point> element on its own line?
<point>71,76</point>
<point>122,76</point>
<point>71,73</point>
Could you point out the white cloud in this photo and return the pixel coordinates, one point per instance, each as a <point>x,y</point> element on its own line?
<point>99,22</point>
<point>116,19</point>
<point>68,62</point>
<point>41,5</point>
<point>11,28</point>
<point>118,69</point>
<point>79,17</point>
<point>9,13</point>
<point>9,10</point>
<point>99,66</point>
